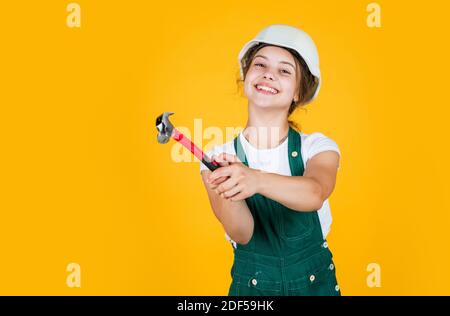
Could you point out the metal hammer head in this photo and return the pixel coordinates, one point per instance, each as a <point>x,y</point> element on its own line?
<point>164,127</point>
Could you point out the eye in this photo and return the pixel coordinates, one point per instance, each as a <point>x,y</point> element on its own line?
<point>259,65</point>
<point>285,71</point>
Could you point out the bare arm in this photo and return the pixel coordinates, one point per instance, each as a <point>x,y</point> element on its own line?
<point>300,193</point>
<point>307,192</point>
<point>235,216</point>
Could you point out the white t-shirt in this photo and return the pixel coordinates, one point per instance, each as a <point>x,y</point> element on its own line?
<point>275,160</point>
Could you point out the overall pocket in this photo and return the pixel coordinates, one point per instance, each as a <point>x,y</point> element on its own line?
<point>253,279</point>
<point>254,285</point>
<point>295,225</point>
<point>319,282</point>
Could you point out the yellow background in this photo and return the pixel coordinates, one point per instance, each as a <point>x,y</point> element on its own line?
<point>84,180</point>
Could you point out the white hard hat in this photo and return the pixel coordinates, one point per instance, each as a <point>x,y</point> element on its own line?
<point>290,37</point>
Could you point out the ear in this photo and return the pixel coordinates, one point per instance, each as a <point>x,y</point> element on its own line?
<point>296,95</point>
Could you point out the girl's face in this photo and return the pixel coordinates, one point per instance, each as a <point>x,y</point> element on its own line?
<point>274,68</point>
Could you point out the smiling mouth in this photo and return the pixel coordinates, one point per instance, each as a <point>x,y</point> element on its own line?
<point>266,90</point>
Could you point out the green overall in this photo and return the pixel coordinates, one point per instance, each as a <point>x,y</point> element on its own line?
<point>287,254</point>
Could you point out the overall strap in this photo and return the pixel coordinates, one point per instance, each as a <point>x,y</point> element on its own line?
<point>295,153</point>
<point>240,153</point>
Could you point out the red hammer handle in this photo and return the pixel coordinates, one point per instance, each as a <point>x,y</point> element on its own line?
<point>186,142</point>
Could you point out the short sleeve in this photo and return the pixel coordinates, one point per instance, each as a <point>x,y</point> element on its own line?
<point>317,142</point>
<point>233,243</point>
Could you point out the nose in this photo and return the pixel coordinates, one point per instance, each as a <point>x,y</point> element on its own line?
<point>268,75</point>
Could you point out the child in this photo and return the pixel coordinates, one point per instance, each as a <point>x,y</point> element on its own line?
<point>271,193</point>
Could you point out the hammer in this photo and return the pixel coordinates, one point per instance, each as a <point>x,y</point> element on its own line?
<point>166,131</point>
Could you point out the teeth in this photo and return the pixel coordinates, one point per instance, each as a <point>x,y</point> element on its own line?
<point>266,89</point>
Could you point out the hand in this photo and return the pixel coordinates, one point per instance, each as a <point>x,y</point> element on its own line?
<point>234,181</point>
<point>221,159</point>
